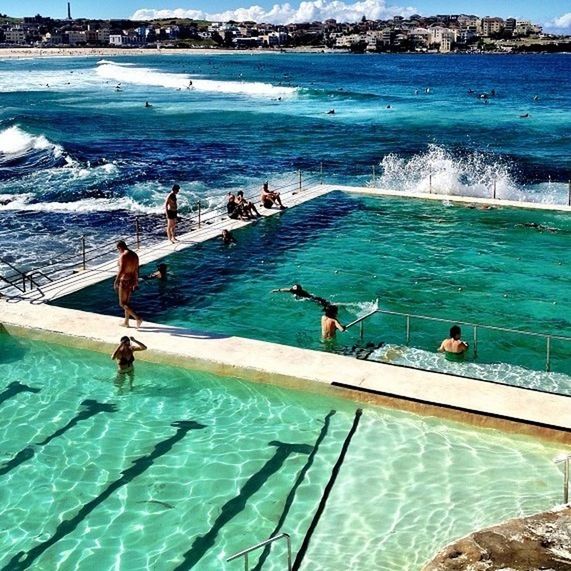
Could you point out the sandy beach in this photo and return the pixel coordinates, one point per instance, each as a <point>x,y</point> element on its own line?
<point>28,52</point>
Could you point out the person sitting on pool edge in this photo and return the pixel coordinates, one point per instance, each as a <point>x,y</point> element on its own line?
<point>248,208</point>
<point>124,353</point>
<point>234,211</point>
<point>454,348</point>
<point>330,324</point>
<point>269,198</point>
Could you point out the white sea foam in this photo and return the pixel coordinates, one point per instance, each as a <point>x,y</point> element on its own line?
<point>500,372</point>
<point>25,202</point>
<point>15,142</point>
<point>148,76</point>
<point>440,171</point>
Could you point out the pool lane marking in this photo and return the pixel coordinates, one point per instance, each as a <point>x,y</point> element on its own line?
<point>291,496</point>
<point>233,507</point>
<point>92,407</point>
<point>23,560</point>
<point>15,388</point>
<point>328,488</point>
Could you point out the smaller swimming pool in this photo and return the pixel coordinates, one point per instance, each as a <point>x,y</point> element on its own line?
<point>440,260</point>
<point>180,469</point>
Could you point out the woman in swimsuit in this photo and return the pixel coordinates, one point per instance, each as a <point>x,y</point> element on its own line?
<point>124,354</point>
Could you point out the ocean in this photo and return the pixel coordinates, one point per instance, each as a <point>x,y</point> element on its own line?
<point>81,154</point>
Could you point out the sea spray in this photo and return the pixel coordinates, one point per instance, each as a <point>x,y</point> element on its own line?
<point>441,171</point>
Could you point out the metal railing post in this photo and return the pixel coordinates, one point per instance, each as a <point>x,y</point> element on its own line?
<point>475,341</point>
<point>83,260</point>
<point>321,175</point>
<point>407,329</point>
<point>569,194</point>
<point>548,354</point>
<point>299,180</point>
<point>565,460</point>
<point>199,214</point>
<point>361,330</point>
<point>494,189</point>
<point>374,176</point>
<point>430,183</point>
<point>246,561</point>
<point>137,232</point>
<point>24,282</point>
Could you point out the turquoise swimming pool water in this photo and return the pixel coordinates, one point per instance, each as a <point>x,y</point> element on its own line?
<point>502,267</point>
<point>182,468</point>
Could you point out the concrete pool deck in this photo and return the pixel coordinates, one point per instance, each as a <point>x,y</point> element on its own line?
<point>477,402</point>
<point>460,398</point>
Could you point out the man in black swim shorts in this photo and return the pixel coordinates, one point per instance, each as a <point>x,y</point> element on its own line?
<point>171,210</point>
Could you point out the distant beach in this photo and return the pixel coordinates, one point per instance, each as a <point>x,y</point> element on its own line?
<point>27,52</point>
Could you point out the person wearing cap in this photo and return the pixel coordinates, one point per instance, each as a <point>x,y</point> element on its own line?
<point>171,210</point>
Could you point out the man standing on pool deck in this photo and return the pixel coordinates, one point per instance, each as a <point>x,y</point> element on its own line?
<point>171,209</point>
<point>127,280</point>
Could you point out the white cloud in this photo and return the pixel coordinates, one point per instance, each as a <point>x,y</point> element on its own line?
<point>307,11</point>
<point>561,24</point>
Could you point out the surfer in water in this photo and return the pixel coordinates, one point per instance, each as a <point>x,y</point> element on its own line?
<point>300,293</point>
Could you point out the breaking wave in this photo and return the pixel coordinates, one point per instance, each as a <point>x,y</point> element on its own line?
<point>441,171</point>
<point>149,76</point>
<point>15,143</point>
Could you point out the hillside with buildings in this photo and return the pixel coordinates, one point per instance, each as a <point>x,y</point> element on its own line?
<point>440,33</point>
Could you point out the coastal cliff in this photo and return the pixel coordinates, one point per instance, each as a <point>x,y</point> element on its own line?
<point>540,541</point>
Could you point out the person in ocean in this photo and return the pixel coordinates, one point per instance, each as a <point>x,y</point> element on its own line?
<point>171,210</point>
<point>127,281</point>
<point>330,324</point>
<point>453,347</point>
<point>124,354</point>
<point>300,293</point>
<point>269,198</point>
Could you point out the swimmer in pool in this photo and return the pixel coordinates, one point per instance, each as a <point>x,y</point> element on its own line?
<point>454,348</point>
<point>300,293</point>
<point>330,324</point>
<point>124,354</point>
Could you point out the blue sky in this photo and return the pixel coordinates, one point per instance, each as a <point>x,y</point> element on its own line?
<point>540,11</point>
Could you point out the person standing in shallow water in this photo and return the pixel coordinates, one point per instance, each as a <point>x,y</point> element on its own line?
<point>124,353</point>
<point>127,281</point>
<point>171,210</point>
<point>454,348</point>
<point>330,324</point>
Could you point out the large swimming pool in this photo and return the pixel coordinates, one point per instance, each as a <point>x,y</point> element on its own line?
<point>501,267</point>
<point>180,469</point>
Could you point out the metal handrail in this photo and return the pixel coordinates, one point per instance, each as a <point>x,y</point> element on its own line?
<point>244,553</point>
<point>475,327</point>
<point>564,459</point>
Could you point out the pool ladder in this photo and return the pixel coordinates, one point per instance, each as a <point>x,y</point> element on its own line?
<point>244,553</point>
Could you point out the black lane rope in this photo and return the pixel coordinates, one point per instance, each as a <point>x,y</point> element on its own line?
<point>328,488</point>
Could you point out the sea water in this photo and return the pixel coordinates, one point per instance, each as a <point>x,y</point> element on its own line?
<point>177,469</point>
<point>80,154</point>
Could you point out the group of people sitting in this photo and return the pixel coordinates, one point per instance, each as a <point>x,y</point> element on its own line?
<point>239,208</point>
